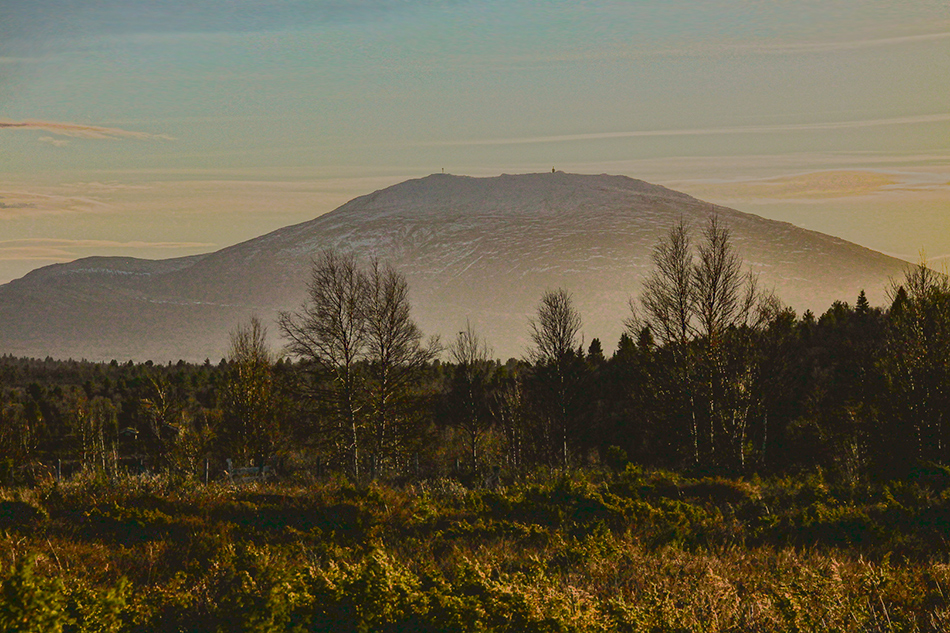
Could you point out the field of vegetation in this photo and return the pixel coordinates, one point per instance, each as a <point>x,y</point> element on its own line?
<point>623,550</point>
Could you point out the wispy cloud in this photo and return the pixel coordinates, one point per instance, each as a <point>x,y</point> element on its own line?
<point>55,142</point>
<point>820,47</point>
<point>46,249</point>
<point>750,129</point>
<point>44,241</point>
<point>822,185</point>
<point>636,51</point>
<point>16,204</point>
<point>77,130</point>
<point>35,254</point>
<point>16,60</point>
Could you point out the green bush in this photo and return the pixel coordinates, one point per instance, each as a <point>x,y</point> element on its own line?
<point>30,603</point>
<point>96,611</point>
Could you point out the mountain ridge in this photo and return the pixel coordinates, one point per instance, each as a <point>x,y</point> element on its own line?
<point>481,249</point>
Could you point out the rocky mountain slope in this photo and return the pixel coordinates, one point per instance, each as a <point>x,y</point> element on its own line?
<point>482,249</point>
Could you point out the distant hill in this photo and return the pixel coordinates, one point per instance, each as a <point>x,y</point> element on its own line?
<point>482,249</point>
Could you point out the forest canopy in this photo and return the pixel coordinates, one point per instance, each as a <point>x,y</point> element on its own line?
<point>713,376</point>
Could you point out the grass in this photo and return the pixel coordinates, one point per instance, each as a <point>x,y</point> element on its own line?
<point>633,551</point>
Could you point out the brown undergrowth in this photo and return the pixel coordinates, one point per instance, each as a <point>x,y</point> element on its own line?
<point>634,551</point>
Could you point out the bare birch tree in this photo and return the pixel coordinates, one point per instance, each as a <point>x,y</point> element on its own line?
<point>717,281</point>
<point>555,329</point>
<point>705,311</point>
<point>668,299</point>
<point>554,332</point>
<point>356,327</point>
<point>668,312</point>
<point>473,370</point>
<point>330,332</point>
<point>916,365</point>
<point>395,353</point>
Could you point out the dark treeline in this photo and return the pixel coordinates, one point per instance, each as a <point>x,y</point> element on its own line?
<point>713,377</point>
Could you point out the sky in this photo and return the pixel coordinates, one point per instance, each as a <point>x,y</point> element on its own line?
<point>163,129</point>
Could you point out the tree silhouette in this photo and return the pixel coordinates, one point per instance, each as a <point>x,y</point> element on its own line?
<point>916,367</point>
<point>469,393</point>
<point>396,355</point>
<point>329,333</point>
<point>250,393</point>
<point>558,369</point>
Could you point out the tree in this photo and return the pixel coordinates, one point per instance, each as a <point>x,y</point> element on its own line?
<point>717,282</point>
<point>668,297</point>
<point>250,394</point>
<point>507,403</point>
<point>862,307</point>
<point>730,310</point>
<point>701,294</point>
<point>330,333</point>
<point>704,312</point>
<point>357,333</point>
<point>395,354</point>
<point>555,328</point>
<point>916,367</point>
<point>17,438</point>
<point>163,410</point>
<point>668,312</point>
<point>633,420</point>
<point>595,353</point>
<point>469,393</point>
<point>558,368</point>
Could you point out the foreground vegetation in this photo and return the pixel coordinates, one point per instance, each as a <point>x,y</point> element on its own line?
<point>586,551</point>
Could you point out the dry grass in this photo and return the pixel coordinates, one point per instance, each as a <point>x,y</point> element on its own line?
<point>636,552</point>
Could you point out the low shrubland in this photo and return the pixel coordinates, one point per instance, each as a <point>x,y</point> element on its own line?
<point>633,550</point>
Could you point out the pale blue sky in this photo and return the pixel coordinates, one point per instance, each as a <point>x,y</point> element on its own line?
<point>158,129</point>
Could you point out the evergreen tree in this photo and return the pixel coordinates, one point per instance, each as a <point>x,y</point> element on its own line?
<point>916,368</point>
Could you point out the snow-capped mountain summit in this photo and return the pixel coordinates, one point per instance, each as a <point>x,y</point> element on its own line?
<point>482,249</point>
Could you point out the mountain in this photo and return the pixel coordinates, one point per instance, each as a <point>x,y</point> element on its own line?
<point>482,249</point>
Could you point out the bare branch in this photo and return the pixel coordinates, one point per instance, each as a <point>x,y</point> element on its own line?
<point>554,331</point>
<point>468,348</point>
<point>717,278</point>
<point>668,298</point>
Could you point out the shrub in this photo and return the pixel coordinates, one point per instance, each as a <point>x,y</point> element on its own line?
<point>20,515</point>
<point>31,603</point>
